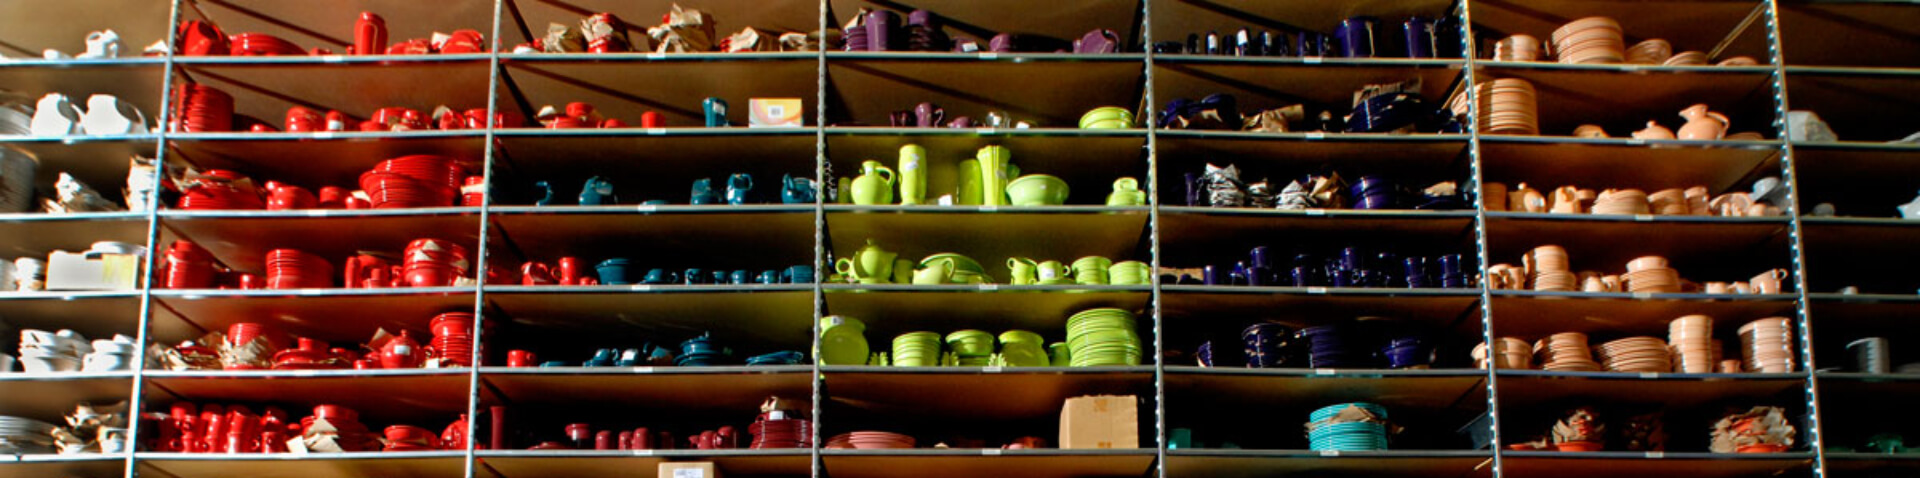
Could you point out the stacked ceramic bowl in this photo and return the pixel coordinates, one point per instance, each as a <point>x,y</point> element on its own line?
<point>414,181</point>
<point>1020,348</point>
<point>16,119</point>
<point>1636,354</point>
<point>1651,52</point>
<point>785,433</point>
<point>453,338</point>
<point>971,348</point>
<point>1507,353</point>
<point>434,263</point>
<point>1566,352</point>
<point>22,436</point>
<point>1690,339</point>
<point>42,351</point>
<point>1357,426</point>
<point>110,355</point>
<point>200,109</point>
<point>1552,270</point>
<point>916,349</point>
<point>1590,40</point>
<point>16,179</point>
<point>296,269</point>
<point>1672,202</point>
<point>1767,345</point>
<point>1621,201</point>
<point>1509,106</point>
<point>1651,274</point>
<point>1103,337</point>
<point>1266,344</point>
<point>866,440</point>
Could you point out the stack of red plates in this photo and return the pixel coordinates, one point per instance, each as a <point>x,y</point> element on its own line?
<point>453,338</point>
<point>200,108</point>
<point>188,267</point>
<point>781,434</point>
<point>414,181</point>
<point>866,440</point>
<point>294,269</point>
<point>216,191</point>
<point>434,263</point>
<point>261,44</point>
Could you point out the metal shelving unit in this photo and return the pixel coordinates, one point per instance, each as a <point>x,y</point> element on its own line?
<point>1841,78</point>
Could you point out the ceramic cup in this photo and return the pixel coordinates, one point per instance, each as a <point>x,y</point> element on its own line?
<point>1128,273</point>
<point>1092,270</point>
<point>1024,271</point>
<point>797,275</point>
<point>1052,271</point>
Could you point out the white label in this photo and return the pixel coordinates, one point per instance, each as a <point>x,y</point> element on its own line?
<point>1316,290</point>
<point>645,208</point>
<point>643,370</point>
<point>990,369</point>
<point>989,208</point>
<point>990,452</point>
<point>1656,454</point>
<point>642,452</point>
<point>1643,217</point>
<point>689,473</point>
<point>1329,452</point>
<point>656,131</point>
<point>983,131</point>
<point>835,321</point>
<point>656,56</point>
<point>1316,135</point>
<point>312,291</point>
<point>1636,141</point>
<point>641,287</point>
<point>1643,295</point>
<point>1316,212</point>
<point>1649,375</point>
<point>1311,60</point>
<point>1325,371</point>
<point>990,56</point>
<point>332,58</point>
<point>323,135</point>
<point>989,287</point>
<point>317,213</point>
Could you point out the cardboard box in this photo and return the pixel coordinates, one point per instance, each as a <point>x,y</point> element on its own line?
<point>1101,421</point>
<point>775,113</point>
<point>689,469</point>
<point>78,271</point>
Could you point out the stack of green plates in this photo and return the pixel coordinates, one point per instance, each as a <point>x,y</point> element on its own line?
<point>971,348</point>
<point>1103,337</point>
<point>916,349</point>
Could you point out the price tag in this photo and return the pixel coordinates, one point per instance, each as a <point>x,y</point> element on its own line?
<point>645,208</point>
<point>641,287</point>
<point>1330,453</point>
<point>990,452</point>
<point>1316,290</point>
<point>1649,375</point>
<point>989,208</point>
<point>1316,135</point>
<point>1630,68</point>
<point>1316,212</point>
<point>990,369</point>
<point>656,56</point>
<point>989,287</point>
<point>990,55</point>
<point>1643,217</point>
<point>1643,295</point>
<point>1311,60</point>
<point>332,58</point>
<point>656,131</point>
<point>643,370</point>
<point>984,131</point>
<point>642,452</point>
<point>312,291</point>
<point>1637,142</point>
<point>318,213</point>
<point>1655,455</point>
<point>1325,371</point>
<point>323,135</point>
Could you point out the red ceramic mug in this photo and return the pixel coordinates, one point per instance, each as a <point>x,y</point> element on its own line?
<point>521,358</point>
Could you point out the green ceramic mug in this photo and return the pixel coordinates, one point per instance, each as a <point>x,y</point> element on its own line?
<point>1024,271</point>
<point>1126,192</point>
<point>1053,271</point>
<point>1128,273</point>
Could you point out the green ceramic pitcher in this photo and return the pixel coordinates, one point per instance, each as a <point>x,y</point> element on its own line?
<point>874,186</point>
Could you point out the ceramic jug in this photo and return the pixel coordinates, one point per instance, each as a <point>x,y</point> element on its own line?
<point>1126,192</point>
<point>796,190</point>
<point>874,186</point>
<point>102,44</point>
<point>1024,271</point>
<point>869,265</point>
<point>913,175</point>
<point>968,191</point>
<point>994,162</point>
<point>597,191</point>
<point>1653,131</point>
<point>935,272</point>
<point>1703,124</point>
<point>703,192</point>
<point>738,187</point>
<point>106,114</point>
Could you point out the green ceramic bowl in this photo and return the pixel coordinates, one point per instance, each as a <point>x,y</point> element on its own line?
<point>1037,190</point>
<point>960,263</point>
